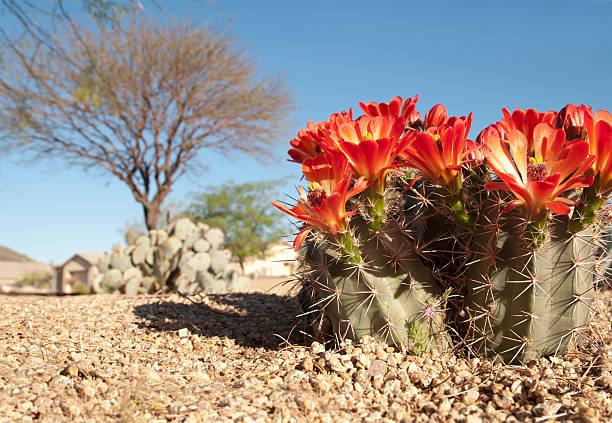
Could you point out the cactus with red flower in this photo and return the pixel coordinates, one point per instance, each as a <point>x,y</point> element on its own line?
<point>412,231</point>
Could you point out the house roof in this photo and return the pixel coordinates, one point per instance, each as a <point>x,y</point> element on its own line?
<point>6,254</point>
<point>92,258</point>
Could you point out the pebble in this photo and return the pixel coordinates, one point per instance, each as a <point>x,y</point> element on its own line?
<point>377,367</point>
<point>470,397</point>
<point>472,419</point>
<point>307,364</point>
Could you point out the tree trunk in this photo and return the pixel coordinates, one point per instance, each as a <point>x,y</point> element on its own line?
<point>152,211</point>
<point>151,215</point>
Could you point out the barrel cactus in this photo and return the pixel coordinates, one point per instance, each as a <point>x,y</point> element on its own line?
<point>362,293</point>
<point>499,237</point>
<point>528,298</point>
<point>367,267</point>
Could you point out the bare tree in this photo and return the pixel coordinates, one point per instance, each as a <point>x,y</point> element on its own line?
<point>139,101</point>
<point>38,20</point>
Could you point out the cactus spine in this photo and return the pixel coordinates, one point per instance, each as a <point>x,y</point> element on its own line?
<point>362,294</point>
<point>529,297</point>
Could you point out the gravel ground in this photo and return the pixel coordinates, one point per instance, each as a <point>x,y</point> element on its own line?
<point>240,357</point>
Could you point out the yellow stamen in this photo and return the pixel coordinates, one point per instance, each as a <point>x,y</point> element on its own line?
<point>313,185</point>
<point>368,136</point>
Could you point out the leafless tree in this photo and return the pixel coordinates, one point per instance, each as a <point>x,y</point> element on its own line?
<point>139,101</point>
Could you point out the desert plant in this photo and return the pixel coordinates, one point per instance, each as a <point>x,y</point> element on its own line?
<point>242,212</point>
<point>183,256</point>
<point>497,238</point>
<point>34,279</point>
<point>80,288</point>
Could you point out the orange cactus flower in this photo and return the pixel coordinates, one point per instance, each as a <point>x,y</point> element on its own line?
<point>395,108</point>
<point>537,178</point>
<point>371,144</point>
<point>435,117</point>
<point>598,126</point>
<point>326,171</point>
<point>439,155</point>
<point>309,142</point>
<point>323,207</point>
<point>524,121</point>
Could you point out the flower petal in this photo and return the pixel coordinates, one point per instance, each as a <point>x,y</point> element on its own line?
<point>603,148</point>
<point>301,236</point>
<point>557,207</point>
<point>518,148</point>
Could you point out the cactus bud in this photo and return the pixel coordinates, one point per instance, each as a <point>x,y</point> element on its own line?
<point>437,116</point>
<point>571,120</point>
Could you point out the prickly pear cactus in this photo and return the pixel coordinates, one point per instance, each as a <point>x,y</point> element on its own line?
<point>525,298</point>
<point>184,256</point>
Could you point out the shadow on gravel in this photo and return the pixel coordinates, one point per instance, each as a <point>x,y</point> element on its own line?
<point>254,320</point>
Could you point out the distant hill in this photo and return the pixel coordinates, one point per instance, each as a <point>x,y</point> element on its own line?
<point>6,254</point>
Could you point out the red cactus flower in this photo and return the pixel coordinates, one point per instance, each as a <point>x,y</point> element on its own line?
<point>537,178</point>
<point>323,207</point>
<point>436,117</point>
<point>599,129</point>
<point>440,155</point>
<point>326,171</point>
<point>395,108</point>
<point>571,120</point>
<point>524,121</point>
<point>371,144</point>
<point>308,143</point>
<point>474,152</point>
<point>437,120</point>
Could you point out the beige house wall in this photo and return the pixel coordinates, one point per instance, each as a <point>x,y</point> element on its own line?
<point>12,271</point>
<point>279,261</point>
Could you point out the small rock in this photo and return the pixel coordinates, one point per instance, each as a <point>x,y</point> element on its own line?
<point>444,407</point>
<point>307,364</point>
<point>472,419</point>
<point>503,401</point>
<point>72,371</point>
<point>336,366</point>
<point>377,367</point>
<point>306,404</point>
<point>470,397</point>
<point>546,409</point>
<point>378,381</point>
<point>183,333</point>
<point>86,390</point>
<point>316,348</point>
<point>517,387</point>
<point>321,384</point>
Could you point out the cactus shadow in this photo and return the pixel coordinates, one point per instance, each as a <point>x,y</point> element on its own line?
<point>255,320</point>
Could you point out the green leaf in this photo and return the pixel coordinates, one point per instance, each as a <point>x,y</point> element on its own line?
<point>244,213</point>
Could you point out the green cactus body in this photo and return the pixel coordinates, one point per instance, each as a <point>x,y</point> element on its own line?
<point>391,296</point>
<point>525,302</point>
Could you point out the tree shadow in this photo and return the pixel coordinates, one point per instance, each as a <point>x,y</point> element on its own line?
<point>254,320</point>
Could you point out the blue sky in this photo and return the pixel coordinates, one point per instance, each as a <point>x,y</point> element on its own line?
<point>473,56</point>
